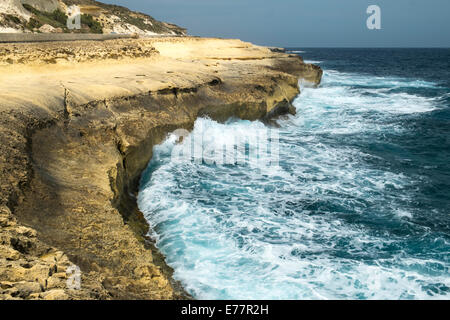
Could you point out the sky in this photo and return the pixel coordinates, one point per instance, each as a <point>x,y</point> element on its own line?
<point>307,23</point>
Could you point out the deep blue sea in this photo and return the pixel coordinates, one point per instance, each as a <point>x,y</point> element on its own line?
<point>356,207</point>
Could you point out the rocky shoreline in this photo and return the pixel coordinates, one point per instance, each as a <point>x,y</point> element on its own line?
<point>77,128</point>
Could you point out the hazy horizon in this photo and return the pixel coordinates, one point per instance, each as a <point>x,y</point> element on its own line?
<point>307,23</point>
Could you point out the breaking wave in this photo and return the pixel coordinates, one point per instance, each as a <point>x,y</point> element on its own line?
<point>337,218</point>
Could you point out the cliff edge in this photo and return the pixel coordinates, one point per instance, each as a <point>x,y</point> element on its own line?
<point>78,122</point>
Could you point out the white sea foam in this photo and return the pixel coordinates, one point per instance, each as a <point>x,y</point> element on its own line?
<point>313,61</point>
<point>236,232</point>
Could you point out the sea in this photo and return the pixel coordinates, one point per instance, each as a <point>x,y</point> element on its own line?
<point>351,202</point>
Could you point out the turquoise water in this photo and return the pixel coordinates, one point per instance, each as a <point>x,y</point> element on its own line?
<point>357,205</point>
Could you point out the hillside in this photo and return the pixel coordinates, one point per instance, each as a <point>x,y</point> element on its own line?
<point>50,16</point>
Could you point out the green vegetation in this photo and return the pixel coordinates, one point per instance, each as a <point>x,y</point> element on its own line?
<point>139,22</point>
<point>33,24</point>
<point>59,16</point>
<point>56,19</point>
<point>134,18</point>
<point>12,19</point>
<point>138,19</point>
<point>89,24</point>
<point>94,26</point>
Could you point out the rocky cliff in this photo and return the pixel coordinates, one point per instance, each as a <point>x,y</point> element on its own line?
<point>50,16</point>
<point>78,122</point>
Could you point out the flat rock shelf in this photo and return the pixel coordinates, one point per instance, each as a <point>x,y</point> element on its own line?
<point>77,129</point>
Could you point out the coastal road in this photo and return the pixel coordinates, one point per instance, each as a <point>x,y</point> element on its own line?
<point>51,37</point>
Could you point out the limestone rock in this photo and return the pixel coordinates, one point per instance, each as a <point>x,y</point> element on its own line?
<point>55,282</point>
<point>57,294</point>
<point>6,218</point>
<point>78,122</point>
<point>9,253</point>
<point>54,53</point>
<point>23,289</point>
<point>14,7</point>
<point>46,28</point>
<point>106,18</point>
<point>43,5</point>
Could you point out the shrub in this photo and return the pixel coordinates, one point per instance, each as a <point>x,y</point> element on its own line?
<point>13,19</point>
<point>33,23</point>
<point>93,25</point>
<point>56,19</point>
<point>59,16</point>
